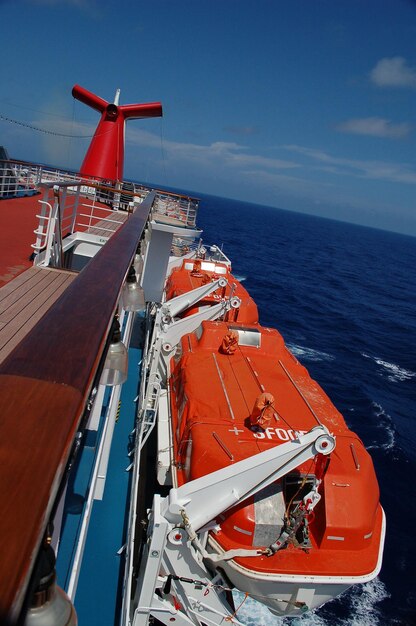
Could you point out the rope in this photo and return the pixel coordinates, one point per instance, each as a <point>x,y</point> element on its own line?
<point>162,147</point>
<point>72,128</point>
<point>167,588</point>
<point>41,130</point>
<point>305,478</point>
<point>26,108</point>
<point>230,617</point>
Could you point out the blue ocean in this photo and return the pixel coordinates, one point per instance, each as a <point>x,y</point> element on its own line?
<point>343,297</point>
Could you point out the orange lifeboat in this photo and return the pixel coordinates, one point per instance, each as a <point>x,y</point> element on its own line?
<point>235,391</point>
<point>195,273</point>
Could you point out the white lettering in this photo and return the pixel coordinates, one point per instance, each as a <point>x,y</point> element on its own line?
<point>270,432</point>
<point>282,434</point>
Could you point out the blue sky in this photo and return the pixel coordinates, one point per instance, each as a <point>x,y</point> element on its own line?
<point>306,105</point>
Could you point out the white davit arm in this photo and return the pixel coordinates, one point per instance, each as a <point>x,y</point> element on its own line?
<point>176,305</point>
<point>174,578</point>
<point>205,498</point>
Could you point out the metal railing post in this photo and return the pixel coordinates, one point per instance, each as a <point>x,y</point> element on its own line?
<point>75,209</point>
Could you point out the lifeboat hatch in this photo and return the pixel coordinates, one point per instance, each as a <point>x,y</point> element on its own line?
<point>269,512</point>
<point>297,486</point>
<point>247,336</point>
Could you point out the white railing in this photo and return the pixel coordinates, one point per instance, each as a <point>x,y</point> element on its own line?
<point>17,180</point>
<point>70,207</point>
<point>78,200</point>
<point>178,207</point>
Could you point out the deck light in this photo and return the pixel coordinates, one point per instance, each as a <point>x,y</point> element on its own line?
<point>50,604</point>
<point>132,295</point>
<point>116,362</point>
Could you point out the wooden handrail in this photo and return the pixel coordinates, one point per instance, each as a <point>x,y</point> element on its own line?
<point>44,387</point>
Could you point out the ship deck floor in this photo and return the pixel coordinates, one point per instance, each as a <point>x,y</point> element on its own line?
<point>24,300</point>
<point>27,292</point>
<point>103,563</point>
<point>18,220</point>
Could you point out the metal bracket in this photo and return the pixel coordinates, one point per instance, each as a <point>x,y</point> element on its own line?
<point>176,305</point>
<point>174,546</point>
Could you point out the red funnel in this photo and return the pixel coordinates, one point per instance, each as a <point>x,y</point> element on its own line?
<point>105,156</point>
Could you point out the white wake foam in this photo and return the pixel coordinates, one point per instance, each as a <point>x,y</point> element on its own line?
<point>394,372</point>
<point>307,354</point>
<point>252,613</point>
<point>240,279</point>
<point>362,603</point>
<point>386,424</point>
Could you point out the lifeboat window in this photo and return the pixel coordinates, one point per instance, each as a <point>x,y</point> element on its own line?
<point>247,336</point>
<point>212,267</point>
<point>207,266</point>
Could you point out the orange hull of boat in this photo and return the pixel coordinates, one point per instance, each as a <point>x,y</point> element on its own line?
<point>213,394</point>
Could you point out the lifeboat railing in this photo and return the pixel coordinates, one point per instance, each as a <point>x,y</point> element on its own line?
<point>43,401</point>
<point>216,254</point>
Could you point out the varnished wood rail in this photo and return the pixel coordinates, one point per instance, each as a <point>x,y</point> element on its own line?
<point>44,387</point>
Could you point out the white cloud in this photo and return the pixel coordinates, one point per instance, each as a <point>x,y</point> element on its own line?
<point>393,72</point>
<point>219,153</point>
<point>293,185</point>
<point>376,127</point>
<point>375,170</point>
